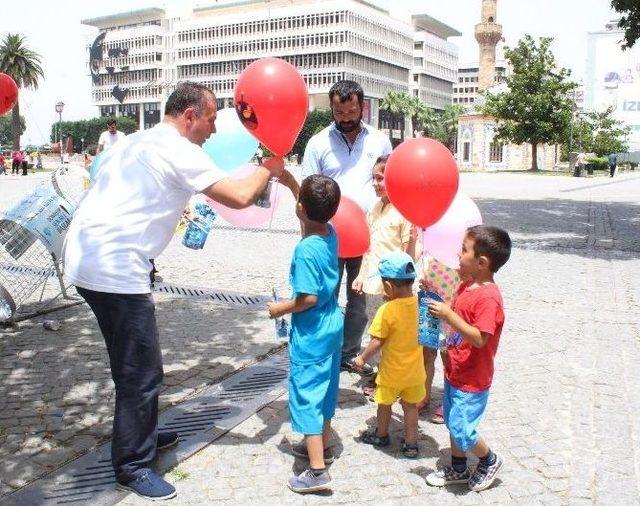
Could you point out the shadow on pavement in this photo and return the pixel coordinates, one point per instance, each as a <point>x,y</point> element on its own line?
<point>56,392</point>
<point>608,230</point>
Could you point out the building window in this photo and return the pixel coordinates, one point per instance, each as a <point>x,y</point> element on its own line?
<point>466,151</point>
<point>495,152</point>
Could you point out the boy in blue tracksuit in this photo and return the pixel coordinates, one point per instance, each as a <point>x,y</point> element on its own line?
<point>316,329</point>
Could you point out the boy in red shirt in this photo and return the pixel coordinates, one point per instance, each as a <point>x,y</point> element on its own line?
<point>475,318</point>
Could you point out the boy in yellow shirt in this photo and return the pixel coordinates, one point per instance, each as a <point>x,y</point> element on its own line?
<point>401,372</point>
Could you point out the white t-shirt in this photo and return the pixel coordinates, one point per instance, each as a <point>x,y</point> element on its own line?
<point>107,139</point>
<point>131,212</point>
<point>330,154</point>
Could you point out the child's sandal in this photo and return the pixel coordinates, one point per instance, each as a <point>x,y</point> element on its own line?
<point>370,437</point>
<point>409,450</point>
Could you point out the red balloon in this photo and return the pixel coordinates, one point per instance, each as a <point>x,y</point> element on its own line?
<point>351,228</point>
<point>8,93</point>
<point>272,100</point>
<point>421,179</point>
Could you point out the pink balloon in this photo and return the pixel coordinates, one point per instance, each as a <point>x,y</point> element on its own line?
<point>251,216</point>
<point>443,239</point>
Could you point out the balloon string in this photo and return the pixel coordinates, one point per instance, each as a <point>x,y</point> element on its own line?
<point>273,207</point>
<point>422,253</point>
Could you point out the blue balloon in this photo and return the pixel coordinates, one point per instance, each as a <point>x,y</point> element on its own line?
<point>232,145</point>
<point>95,166</point>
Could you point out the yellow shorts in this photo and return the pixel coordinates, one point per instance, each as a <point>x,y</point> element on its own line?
<point>388,395</point>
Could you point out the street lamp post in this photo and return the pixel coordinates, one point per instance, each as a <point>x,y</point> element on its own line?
<point>59,107</point>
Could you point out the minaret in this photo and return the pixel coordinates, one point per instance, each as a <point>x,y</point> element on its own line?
<point>488,34</point>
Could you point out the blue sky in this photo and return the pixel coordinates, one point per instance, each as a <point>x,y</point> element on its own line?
<point>53,29</point>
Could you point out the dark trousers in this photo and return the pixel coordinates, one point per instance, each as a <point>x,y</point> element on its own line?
<point>612,170</point>
<point>355,315</point>
<point>128,324</point>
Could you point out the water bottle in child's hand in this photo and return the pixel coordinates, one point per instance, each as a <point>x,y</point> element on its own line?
<point>282,325</point>
<point>428,325</point>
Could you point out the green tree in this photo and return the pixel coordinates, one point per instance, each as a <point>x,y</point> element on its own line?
<point>441,125</point>
<point>399,105</point>
<point>5,130</point>
<point>316,121</point>
<point>537,106</point>
<point>609,135</point>
<point>90,130</point>
<point>414,109</point>
<point>23,65</point>
<point>630,22</point>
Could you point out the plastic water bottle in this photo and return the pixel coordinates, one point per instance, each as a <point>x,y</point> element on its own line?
<point>264,200</point>
<point>428,325</point>
<point>282,325</point>
<point>199,226</point>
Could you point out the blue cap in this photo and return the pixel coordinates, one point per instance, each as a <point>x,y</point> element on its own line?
<point>397,265</point>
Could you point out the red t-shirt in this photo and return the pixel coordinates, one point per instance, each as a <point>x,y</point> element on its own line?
<point>469,368</point>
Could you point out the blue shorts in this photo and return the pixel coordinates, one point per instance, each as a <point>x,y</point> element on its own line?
<point>313,394</point>
<point>462,414</point>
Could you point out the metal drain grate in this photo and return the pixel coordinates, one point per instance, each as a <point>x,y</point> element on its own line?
<point>198,421</point>
<point>233,298</point>
<point>25,269</point>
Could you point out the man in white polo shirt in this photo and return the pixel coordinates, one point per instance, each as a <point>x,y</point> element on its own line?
<point>126,218</point>
<point>110,136</point>
<point>346,151</point>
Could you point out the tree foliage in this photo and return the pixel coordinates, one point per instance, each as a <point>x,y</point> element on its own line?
<point>630,21</point>
<point>316,121</point>
<point>441,125</point>
<point>537,107</point>
<point>601,133</point>
<point>90,130</point>
<point>5,130</point>
<point>398,104</point>
<point>23,65</point>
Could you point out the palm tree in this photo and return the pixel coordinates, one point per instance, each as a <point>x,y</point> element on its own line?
<point>415,109</point>
<point>23,65</point>
<point>393,103</point>
<point>449,119</point>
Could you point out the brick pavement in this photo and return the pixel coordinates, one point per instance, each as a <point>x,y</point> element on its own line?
<point>563,401</point>
<point>563,404</point>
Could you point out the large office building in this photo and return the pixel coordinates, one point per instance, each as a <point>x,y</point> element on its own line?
<point>466,90</point>
<point>612,79</point>
<point>435,61</point>
<point>138,57</point>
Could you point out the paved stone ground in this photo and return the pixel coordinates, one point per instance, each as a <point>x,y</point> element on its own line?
<point>562,410</point>
<point>563,402</point>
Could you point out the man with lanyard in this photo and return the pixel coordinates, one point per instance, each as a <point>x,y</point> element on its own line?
<point>127,217</point>
<point>346,151</point>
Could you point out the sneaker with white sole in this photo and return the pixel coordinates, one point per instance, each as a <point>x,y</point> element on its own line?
<point>484,476</point>
<point>307,481</point>
<point>300,450</point>
<point>448,476</point>
<point>149,485</point>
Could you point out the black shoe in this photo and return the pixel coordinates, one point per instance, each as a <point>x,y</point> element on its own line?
<point>167,440</point>
<point>350,366</point>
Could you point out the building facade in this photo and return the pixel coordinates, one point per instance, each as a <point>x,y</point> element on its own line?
<point>140,56</point>
<point>466,89</point>
<point>476,146</point>
<point>435,61</point>
<point>613,79</point>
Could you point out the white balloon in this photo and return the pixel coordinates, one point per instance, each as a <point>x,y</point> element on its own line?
<point>443,239</point>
